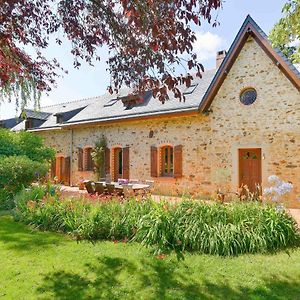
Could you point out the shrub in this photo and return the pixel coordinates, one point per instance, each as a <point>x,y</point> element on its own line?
<point>6,202</point>
<point>189,226</point>
<point>23,159</point>
<point>24,144</point>
<point>17,172</point>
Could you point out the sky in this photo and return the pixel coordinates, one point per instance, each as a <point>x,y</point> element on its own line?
<point>91,81</point>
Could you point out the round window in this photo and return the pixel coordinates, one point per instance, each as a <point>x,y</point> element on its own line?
<point>248,96</point>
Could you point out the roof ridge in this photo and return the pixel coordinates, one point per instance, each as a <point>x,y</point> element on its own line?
<point>94,97</point>
<point>71,101</point>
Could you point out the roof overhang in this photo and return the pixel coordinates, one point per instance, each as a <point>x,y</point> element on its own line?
<point>248,29</point>
<point>97,122</point>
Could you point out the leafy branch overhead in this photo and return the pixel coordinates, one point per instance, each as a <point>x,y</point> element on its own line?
<point>145,38</point>
<point>286,33</point>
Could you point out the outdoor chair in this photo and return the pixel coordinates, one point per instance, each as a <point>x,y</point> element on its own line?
<point>99,187</point>
<point>110,188</point>
<point>89,187</point>
<point>150,182</point>
<point>128,191</point>
<point>107,178</point>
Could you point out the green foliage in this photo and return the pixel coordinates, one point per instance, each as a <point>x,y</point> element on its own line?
<point>45,265</point>
<point>224,230</point>
<point>98,155</point>
<point>6,202</point>
<point>24,144</point>
<point>23,159</point>
<point>286,33</point>
<point>19,171</point>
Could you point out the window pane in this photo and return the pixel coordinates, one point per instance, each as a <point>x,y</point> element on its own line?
<point>120,162</point>
<point>171,160</point>
<point>166,160</point>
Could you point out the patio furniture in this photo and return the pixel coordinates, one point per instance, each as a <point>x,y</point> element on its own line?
<point>150,183</point>
<point>128,191</point>
<point>110,188</point>
<point>108,178</point>
<point>136,187</point>
<point>99,187</point>
<point>89,187</point>
<point>134,181</point>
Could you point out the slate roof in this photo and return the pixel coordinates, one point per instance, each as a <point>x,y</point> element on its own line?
<point>36,114</point>
<point>110,107</point>
<point>10,123</point>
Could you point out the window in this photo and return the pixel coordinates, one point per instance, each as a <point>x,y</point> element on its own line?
<point>118,163</point>
<point>59,118</point>
<point>248,96</point>
<point>28,124</point>
<point>88,160</point>
<point>167,161</point>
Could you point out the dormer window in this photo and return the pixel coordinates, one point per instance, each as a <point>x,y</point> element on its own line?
<point>132,100</point>
<point>28,123</point>
<point>59,118</point>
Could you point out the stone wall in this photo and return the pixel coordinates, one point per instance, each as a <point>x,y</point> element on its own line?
<point>211,143</point>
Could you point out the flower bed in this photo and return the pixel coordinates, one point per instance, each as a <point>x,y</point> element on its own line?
<point>188,226</point>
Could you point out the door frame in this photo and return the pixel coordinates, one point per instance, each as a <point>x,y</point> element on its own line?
<point>240,165</point>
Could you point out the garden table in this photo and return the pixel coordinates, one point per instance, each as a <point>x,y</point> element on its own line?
<point>135,186</point>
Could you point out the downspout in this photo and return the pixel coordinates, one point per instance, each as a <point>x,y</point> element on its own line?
<point>71,158</point>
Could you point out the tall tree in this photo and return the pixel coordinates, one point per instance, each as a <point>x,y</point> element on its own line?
<point>145,39</point>
<point>286,33</point>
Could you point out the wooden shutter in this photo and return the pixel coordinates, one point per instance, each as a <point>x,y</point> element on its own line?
<point>153,161</point>
<point>53,168</point>
<point>107,161</point>
<point>178,161</point>
<point>80,159</point>
<point>67,170</point>
<point>126,163</point>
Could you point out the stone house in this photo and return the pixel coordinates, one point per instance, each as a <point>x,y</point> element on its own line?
<point>239,124</point>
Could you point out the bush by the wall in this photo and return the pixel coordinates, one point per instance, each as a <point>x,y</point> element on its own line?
<point>17,172</point>
<point>23,159</point>
<point>24,144</point>
<point>189,226</point>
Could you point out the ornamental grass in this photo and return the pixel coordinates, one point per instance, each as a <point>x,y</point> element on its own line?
<point>193,226</point>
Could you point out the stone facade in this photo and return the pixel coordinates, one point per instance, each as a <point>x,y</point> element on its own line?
<point>211,142</point>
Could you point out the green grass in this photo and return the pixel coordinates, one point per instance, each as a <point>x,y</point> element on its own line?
<point>42,265</point>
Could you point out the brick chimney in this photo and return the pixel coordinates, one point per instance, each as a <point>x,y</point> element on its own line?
<point>220,57</point>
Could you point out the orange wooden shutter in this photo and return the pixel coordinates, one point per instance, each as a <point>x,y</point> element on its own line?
<point>153,162</point>
<point>107,161</point>
<point>53,168</point>
<point>178,161</point>
<point>80,159</point>
<point>67,170</point>
<point>126,163</point>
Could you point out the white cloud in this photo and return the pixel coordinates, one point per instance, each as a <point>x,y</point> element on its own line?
<point>207,45</point>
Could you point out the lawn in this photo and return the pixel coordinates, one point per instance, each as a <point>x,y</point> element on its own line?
<point>42,265</point>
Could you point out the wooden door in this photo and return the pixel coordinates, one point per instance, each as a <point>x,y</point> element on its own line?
<point>250,168</point>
